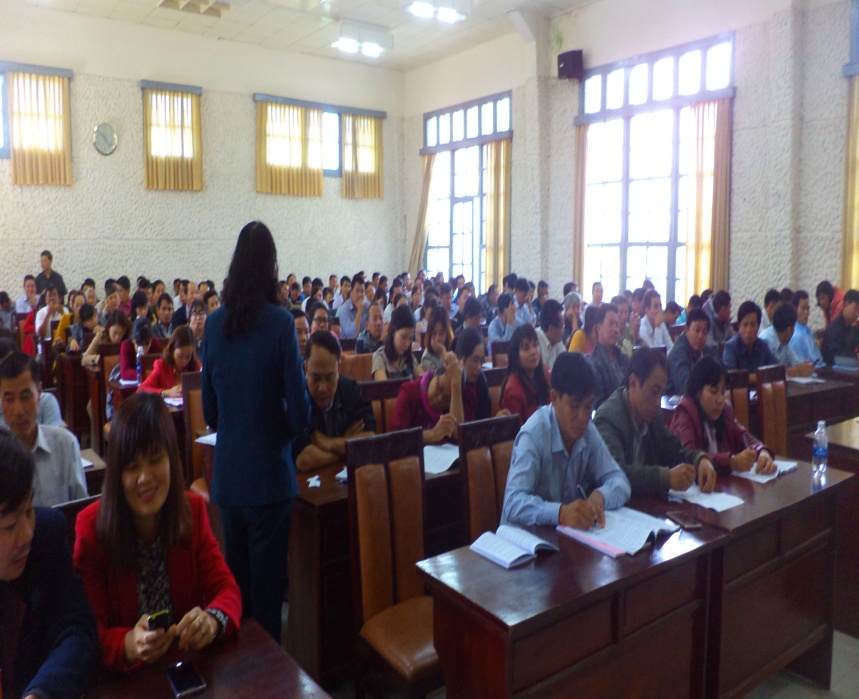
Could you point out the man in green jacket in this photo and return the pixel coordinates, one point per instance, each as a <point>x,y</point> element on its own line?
<point>633,427</point>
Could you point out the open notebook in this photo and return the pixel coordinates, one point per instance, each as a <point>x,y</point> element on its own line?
<point>510,546</point>
<point>626,531</point>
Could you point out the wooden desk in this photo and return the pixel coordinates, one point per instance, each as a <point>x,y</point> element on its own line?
<point>760,574</point>
<point>249,666</point>
<point>844,455</point>
<point>574,622</point>
<point>320,634</point>
<point>772,581</point>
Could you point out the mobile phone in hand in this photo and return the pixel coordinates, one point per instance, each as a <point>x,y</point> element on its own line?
<point>159,620</point>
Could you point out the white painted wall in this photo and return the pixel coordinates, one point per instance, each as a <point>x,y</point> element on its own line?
<point>107,224</point>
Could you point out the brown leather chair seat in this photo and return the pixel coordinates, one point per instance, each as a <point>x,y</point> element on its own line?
<point>402,635</point>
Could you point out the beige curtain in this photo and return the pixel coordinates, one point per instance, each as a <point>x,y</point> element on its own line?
<point>361,139</point>
<point>420,243</point>
<point>721,225</point>
<point>498,216</point>
<point>289,150</point>
<point>173,140</point>
<point>850,244</point>
<point>707,207</point>
<point>581,186</point>
<point>40,129</point>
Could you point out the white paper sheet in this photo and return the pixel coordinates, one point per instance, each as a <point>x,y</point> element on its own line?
<point>714,501</point>
<point>210,439</point>
<point>782,467</point>
<point>438,458</point>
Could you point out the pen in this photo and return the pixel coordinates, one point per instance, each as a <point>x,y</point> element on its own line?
<point>581,491</point>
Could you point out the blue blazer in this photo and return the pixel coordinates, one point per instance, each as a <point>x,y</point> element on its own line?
<point>58,646</point>
<point>254,396</point>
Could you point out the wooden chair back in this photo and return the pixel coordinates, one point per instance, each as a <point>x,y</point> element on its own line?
<point>662,349</point>
<point>147,364</point>
<point>386,517</point>
<point>192,409</point>
<point>70,511</point>
<point>348,344</point>
<point>738,393</point>
<point>494,378</point>
<point>109,352</point>
<point>357,366</point>
<point>383,397</point>
<point>485,448</point>
<point>500,349</point>
<point>676,331</point>
<point>772,404</point>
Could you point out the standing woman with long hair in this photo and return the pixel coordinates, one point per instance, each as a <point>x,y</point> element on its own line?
<point>254,397</point>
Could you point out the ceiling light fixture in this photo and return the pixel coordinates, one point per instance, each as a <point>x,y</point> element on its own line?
<point>369,39</point>
<point>447,11</point>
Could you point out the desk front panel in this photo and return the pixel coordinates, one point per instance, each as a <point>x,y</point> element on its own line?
<point>574,621</point>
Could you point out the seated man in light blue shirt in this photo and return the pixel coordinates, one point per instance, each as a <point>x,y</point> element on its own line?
<point>778,337</point>
<point>353,319</point>
<point>524,310</point>
<point>501,329</point>
<point>802,342</point>
<point>561,471</point>
<point>49,407</point>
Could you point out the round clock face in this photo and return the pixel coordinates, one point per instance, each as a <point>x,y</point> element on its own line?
<point>104,138</point>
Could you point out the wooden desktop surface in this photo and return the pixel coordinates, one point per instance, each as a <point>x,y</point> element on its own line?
<point>248,666</point>
<point>761,575</point>
<point>844,455</point>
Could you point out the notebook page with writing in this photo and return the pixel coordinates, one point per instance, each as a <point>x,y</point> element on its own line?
<point>781,467</point>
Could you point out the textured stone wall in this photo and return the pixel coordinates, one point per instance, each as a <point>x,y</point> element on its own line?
<point>107,224</point>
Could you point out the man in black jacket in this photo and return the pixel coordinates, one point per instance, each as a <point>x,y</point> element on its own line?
<point>48,640</point>
<point>337,410</point>
<point>842,337</point>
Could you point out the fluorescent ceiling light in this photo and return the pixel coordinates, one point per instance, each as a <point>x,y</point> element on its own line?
<point>371,50</point>
<point>422,9</point>
<point>448,15</point>
<point>346,45</point>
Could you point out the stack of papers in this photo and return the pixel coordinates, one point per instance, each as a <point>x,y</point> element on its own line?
<point>438,458</point>
<point>626,531</point>
<point>510,546</point>
<point>86,463</point>
<point>781,466</point>
<point>714,501</point>
<point>210,439</point>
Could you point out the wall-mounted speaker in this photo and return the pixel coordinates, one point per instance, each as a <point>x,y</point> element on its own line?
<point>571,65</point>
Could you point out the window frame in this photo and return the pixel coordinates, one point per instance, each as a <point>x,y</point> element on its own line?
<point>675,104</point>
<point>6,147</point>
<point>339,110</point>
<point>478,262</point>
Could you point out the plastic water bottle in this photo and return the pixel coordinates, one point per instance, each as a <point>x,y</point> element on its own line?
<point>139,364</point>
<point>821,450</point>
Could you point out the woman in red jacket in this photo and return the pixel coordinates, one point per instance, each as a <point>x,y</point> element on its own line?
<point>141,336</point>
<point>704,420</point>
<point>147,547</point>
<point>526,387</point>
<point>178,357</point>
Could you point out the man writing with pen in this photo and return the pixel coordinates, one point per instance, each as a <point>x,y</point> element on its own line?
<point>561,471</point>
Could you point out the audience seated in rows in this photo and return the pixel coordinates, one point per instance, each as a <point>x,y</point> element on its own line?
<point>141,338</point>
<point>745,350</point>
<point>778,336</point>
<point>688,349</point>
<point>550,332</point>
<point>439,336</point>
<point>802,342</point>
<point>48,412</point>
<point>370,338</point>
<point>608,362</point>
<point>654,330</point>
<point>178,356</point>
<point>351,313</point>
<point>585,338</point>
<point>501,329</point>
<point>394,359</point>
<point>718,308</point>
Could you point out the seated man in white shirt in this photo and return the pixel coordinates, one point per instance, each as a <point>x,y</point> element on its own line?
<point>550,334</point>
<point>501,329</point>
<point>778,336</point>
<point>524,311</point>
<point>654,332</point>
<point>59,473</point>
<point>52,311</point>
<point>27,301</point>
<point>343,296</point>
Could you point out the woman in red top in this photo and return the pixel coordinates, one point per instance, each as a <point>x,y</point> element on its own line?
<point>704,420</point>
<point>147,547</point>
<point>178,357</point>
<point>526,387</point>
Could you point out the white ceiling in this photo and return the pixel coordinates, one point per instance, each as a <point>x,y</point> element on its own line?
<point>310,26</point>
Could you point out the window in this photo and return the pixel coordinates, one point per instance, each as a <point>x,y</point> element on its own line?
<point>173,137</point>
<point>642,136</point>
<point>36,125</point>
<point>362,157</point>
<point>458,210</point>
